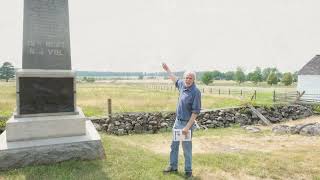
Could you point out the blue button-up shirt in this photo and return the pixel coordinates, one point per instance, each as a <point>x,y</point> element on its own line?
<point>189,101</point>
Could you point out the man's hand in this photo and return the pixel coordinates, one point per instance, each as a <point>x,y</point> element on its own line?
<point>171,76</point>
<point>185,131</point>
<point>165,67</point>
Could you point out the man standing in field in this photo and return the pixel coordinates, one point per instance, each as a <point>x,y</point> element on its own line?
<point>188,107</point>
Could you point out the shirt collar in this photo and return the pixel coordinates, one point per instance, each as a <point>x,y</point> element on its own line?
<point>188,88</point>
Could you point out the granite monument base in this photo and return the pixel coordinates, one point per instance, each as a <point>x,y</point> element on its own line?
<point>39,127</point>
<point>47,151</point>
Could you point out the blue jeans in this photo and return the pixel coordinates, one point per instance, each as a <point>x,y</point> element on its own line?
<point>187,149</point>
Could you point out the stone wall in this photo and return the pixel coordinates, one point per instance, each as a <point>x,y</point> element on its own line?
<point>131,123</point>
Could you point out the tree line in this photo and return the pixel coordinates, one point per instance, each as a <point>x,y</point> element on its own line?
<point>270,75</point>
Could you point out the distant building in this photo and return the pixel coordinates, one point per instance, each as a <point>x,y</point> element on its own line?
<point>309,78</point>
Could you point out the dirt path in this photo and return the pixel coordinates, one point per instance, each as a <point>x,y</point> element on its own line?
<point>246,141</point>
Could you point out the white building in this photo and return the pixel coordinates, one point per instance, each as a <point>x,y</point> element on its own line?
<point>309,79</point>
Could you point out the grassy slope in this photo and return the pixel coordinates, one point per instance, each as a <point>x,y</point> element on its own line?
<point>127,158</point>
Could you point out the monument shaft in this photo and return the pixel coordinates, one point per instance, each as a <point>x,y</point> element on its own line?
<point>46,36</point>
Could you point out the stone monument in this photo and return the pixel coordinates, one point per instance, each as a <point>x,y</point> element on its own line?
<point>47,127</point>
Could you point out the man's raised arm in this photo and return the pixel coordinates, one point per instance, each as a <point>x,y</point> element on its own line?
<point>170,74</point>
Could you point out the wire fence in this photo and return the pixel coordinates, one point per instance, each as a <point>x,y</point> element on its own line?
<point>273,96</point>
<point>207,90</point>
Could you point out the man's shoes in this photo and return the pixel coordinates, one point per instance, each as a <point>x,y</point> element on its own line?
<point>170,170</point>
<point>188,174</point>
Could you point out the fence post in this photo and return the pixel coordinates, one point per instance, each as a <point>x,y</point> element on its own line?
<point>202,90</point>
<point>219,91</point>
<point>255,94</point>
<point>109,108</point>
<point>211,90</point>
<point>241,92</point>
<point>229,91</point>
<point>274,95</point>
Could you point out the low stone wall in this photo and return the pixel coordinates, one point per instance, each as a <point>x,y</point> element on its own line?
<point>130,123</point>
<point>133,123</point>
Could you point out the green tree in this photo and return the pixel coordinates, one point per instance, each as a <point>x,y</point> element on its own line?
<point>207,78</point>
<point>89,79</point>
<point>229,75</point>
<point>295,76</point>
<point>272,78</point>
<point>239,75</point>
<point>217,75</point>
<point>287,79</point>
<point>7,71</point>
<point>256,76</point>
<point>265,73</point>
<point>250,76</point>
<point>140,76</point>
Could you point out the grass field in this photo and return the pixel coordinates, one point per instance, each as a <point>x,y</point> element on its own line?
<point>92,97</point>
<point>136,97</point>
<point>230,153</point>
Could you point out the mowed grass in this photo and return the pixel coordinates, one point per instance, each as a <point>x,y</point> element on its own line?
<point>128,157</point>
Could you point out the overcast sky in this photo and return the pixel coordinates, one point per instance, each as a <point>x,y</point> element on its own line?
<point>137,35</point>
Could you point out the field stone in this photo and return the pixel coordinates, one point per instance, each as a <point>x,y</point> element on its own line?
<point>164,124</point>
<point>97,126</point>
<point>110,128</point>
<point>138,128</point>
<point>208,122</point>
<point>120,132</point>
<point>252,129</point>
<point>281,129</point>
<point>153,122</point>
<point>220,118</point>
<point>311,130</point>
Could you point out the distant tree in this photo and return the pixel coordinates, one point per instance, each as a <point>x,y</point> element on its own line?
<point>278,74</point>
<point>265,73</point>
<point>250,76</point>
<point>239,76</point>
<point>140,76</point>
<point>217,75</point>
<point>229,75</point>
<point>295,76</point>
<point>88,79</point>
<point>6,71</point>
<point>287,79</point>
<point>256,75</point>
<point>272,78</point>
<point>207,78</point>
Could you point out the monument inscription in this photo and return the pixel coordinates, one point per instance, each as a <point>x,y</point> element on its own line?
<point>50,95</point>
<point>46,38</point>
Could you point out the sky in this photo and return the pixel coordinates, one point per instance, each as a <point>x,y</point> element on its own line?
<point>199,35</point>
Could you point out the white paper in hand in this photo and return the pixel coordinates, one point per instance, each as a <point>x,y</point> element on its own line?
<point>178,136</point>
